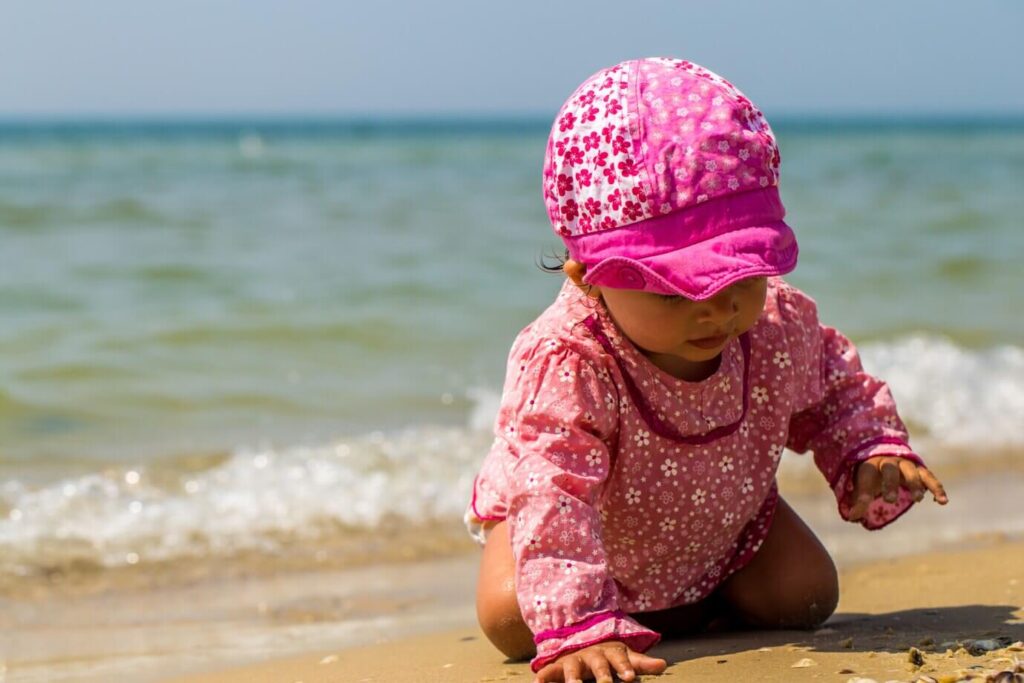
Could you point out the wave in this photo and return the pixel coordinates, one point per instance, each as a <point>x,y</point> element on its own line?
<point>343,494</point>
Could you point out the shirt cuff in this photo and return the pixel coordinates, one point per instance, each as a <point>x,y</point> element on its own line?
<point>595,629</point>
<point>880,513</point>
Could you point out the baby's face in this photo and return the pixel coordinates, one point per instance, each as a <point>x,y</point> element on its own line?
<point>682,336</point>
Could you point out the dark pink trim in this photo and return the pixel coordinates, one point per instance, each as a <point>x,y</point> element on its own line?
<point>638,642</point>
<point>566,631</point>
<point>482,518</point>
<point>660,427</point>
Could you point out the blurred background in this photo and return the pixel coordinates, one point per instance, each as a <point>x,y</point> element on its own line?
<point>261,263</point>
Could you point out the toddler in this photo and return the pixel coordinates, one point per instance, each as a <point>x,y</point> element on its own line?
<point>631,490</point>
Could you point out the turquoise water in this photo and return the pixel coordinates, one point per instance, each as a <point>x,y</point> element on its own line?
<point>191,313</point>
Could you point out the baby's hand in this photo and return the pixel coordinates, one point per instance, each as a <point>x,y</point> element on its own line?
<point>883,474</point>
<point>597,661</point>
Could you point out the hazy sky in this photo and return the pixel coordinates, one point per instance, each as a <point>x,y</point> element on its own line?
<point>402,57</point>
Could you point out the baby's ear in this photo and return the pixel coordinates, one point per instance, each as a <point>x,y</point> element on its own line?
<point>575,271</point>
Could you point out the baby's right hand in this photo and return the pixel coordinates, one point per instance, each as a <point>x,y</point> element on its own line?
<point>597,661</point>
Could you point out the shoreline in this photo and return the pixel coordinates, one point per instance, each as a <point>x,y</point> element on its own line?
<point>122,628</point>
<point>945,604</point>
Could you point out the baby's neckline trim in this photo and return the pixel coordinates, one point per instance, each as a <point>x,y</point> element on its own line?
<point>650,416</point>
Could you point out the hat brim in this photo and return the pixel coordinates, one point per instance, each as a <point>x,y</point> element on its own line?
<point>701,270</point>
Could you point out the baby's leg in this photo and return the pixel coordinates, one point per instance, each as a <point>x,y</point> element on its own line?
<point>496,605</point>
<point>790,583</point>
<point>502,622</point>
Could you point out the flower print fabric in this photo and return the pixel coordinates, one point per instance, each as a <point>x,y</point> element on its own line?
<point>628,490</point>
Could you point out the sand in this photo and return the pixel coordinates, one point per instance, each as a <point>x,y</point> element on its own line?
<point>934,602</point>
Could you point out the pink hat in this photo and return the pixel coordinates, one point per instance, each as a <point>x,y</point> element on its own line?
<point>660,175</point>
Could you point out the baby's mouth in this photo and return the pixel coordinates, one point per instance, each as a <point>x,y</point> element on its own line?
<point>710,342</point>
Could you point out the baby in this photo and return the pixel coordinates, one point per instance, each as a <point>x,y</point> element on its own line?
<point>631,490</point>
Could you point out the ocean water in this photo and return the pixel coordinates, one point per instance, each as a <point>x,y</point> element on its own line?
<point>237,339</point>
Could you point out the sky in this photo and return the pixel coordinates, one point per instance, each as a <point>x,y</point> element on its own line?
<point>69,58</point>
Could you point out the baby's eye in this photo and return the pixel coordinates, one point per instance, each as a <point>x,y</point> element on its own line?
<point>669,297</point>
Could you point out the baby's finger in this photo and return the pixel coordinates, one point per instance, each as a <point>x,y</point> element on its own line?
<point>890,481</point>
<point>911,479</point>
<point>572,669</point>
<point>598,664</point>
<point>620,661</point>
<point>646,665</point>
<point>552,673</point>
<point>934,485</point>
<point>869,481</point>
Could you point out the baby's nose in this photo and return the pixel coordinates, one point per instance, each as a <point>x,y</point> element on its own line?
<point>721,308</point>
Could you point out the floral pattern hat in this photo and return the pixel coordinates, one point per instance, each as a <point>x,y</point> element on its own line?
<point>660,175</point>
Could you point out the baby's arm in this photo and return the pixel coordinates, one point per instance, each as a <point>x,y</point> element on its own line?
<point>555,419</point>
<point>849,420</point>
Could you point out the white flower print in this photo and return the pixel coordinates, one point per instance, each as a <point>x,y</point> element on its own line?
<point>642,437</point>
<point>728,518</point>
<point>567,375</point>
<point>723,146</point>
<point>564,504</point>
<point>666,497</point>
<point>733,183</point>
<point>569,567</point>
<point>744,154</point>
<point>643,602</point>
<point>593,457</point>
<point>759,394</point>
<point>747,486</point>
<point>775,451</point>
<point>836,375</point>
<point>667,524</point>
<point>532,479</point>
<point>840,435</point>
<point>698,496</point>
<point>692,547</point>
<point>632,496</point>
<point>744,429</point>
<point>669,467</point>
<point>623,404</point>
<point>691,594</point>
<point>562,431</point>
<point>609,401</point>
<point>540,603</point>
<point>726,463</point>
<point>889,421</point>
<point>782,359</point>
<point>534,543</point>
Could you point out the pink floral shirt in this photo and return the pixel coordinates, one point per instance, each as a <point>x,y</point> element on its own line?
<point>628,490</point>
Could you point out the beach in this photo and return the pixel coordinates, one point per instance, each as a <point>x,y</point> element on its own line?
<point>248,370</point>
<point>414,620</point>
<point>961,611</point>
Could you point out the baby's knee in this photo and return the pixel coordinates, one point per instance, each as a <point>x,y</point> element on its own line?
<point>502,622</point>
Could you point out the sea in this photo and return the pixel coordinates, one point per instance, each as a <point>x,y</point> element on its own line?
<point>233,345</point>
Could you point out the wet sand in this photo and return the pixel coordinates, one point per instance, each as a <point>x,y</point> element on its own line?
<point>119,627</point>
<point>938,603</point>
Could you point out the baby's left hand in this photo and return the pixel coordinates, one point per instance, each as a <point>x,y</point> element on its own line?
<point>883,474</point>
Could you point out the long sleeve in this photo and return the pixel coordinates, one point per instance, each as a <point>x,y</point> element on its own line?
<point>847,415</point>
<point>558,415</point>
